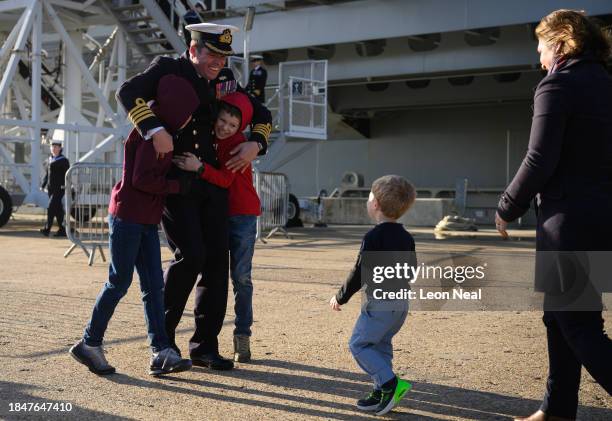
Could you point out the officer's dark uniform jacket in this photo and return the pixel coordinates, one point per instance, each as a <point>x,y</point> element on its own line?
<point>257,83</point>
<point>197,136</point>
<point>56,171</point>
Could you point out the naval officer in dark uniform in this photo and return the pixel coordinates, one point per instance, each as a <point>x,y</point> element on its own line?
<point>258,78</point>
<point>196,225</point>
<point>54,181</point>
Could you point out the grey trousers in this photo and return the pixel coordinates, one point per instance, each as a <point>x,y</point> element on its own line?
<point>371,345</point>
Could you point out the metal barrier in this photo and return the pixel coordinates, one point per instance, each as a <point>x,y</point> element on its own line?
<point>88,190</point>
<point>273,191</point>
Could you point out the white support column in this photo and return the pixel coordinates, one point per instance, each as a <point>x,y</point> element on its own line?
<point>9,73</point>
<point>246,68</point>
<point>73,90</point>
<point>121,76</point>
<point>121,58</point>
<point>107,82</point>
<point>75,53</point>
<point>100,117</point>
<point>35,158</point>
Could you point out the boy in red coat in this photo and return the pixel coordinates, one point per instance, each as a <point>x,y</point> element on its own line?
<point>235,112</point>
<point>135,211</point>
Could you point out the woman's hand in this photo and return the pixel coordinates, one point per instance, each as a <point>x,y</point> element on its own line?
<point>187,162</point>
<point>501,226</point>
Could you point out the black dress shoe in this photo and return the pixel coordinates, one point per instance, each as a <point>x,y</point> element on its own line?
<point>60,233</point>
<point>44,231</point>
<point>212,361</point>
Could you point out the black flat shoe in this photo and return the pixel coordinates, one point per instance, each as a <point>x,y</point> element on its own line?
<point>212,361</point>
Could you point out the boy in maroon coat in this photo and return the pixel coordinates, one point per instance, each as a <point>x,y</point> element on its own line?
<point>135,211</point>
<point>235,113</point>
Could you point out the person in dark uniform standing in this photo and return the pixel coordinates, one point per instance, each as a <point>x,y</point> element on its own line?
<point>54,181</point>
<point>257,79</point>
<point>196,225</point>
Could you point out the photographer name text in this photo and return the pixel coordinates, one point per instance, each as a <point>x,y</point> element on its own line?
<point>407,294</point>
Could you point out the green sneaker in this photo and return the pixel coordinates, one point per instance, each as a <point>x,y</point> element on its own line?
<point>371,402</point>
<point>390,398</point>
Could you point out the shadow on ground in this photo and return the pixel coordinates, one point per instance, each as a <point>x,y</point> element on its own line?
<point>425,397</point>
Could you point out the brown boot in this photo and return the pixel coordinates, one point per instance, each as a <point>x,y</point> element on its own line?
<point>539,415</point>
<point>242,349</point>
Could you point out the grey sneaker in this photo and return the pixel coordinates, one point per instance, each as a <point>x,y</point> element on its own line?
<point>91,356</point>
<point>242,348</point>
<point>168,361</point>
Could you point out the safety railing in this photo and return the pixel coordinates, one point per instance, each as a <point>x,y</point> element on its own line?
<point>273,191</point>
<point>88,190</point>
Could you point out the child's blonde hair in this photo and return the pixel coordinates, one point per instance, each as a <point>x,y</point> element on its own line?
<point>394,194</point>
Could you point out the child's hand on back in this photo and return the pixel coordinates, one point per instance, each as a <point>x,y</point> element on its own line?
<point>187,162</point>
<point>333,303</point>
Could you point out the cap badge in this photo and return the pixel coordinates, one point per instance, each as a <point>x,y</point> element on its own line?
<point>226,37</point>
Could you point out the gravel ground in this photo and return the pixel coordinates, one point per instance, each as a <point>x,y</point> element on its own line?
<point>464,365</point>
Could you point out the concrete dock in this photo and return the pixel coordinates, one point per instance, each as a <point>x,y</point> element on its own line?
<point>466,365</point>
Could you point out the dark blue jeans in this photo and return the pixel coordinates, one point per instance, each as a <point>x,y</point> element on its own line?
<point>131,245</point>
<point>242,232</point>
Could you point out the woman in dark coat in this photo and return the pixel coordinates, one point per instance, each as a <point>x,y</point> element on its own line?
<point>568,167</point>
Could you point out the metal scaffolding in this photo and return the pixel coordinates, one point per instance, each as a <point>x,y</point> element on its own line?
<point>28,117</point>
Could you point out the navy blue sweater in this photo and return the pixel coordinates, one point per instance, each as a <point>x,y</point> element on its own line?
<point>386,236</point>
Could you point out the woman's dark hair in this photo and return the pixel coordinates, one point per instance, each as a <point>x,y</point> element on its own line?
<point>574,33</point>
<point>231,110</point>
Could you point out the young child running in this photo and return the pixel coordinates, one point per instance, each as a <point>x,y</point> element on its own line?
<point>370,344</point>
<point>135,211</point>
<point>235,113</point>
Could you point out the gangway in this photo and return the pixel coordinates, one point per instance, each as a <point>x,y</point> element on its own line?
<point>147,26</point>
<point>298,105</point>
<point>298,102</point>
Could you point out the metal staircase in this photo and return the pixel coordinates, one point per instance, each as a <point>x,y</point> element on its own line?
<point>147,27</point>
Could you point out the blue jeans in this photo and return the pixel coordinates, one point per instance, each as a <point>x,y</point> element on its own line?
<point>371,344</point>
<point>242,232</point>
<point>131,245</point>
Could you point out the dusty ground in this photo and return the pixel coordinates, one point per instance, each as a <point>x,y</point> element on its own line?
<point>465,365</point>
